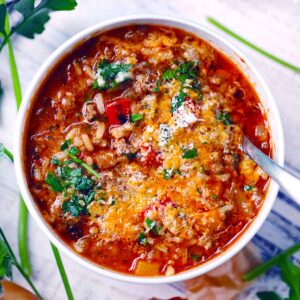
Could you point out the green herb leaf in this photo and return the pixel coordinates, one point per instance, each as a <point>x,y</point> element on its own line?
<point>55,161</point>
<point>35,17</point>
<point>290,274</point>
<point>168,75</point>
<point>135,117</point>
<point>213,196</point>
<point>72,206</point>
<point>66,173</point>
<point>5,263</point>
<point>89,197</point>
<point>142,240</point>
<point>268,296</point>
<point>195,257</point>
<point>264,267</point>
<point>54,182</point>
<point>152,225</point>
<point>178,100</point>
<point>65,145</point>
<point>83,164</point>
<point>224,118</point>
<point>111,74</point>
<point>157,87</point>
<point>82,184</point>
<point>73,150</point>
<point>186,70</point>
<point>189,154</point>
<point>4,151</point>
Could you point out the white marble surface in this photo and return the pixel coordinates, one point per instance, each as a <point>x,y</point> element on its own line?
<point>274,25</point>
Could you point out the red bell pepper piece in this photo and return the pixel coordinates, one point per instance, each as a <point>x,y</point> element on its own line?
<point>117,111</point>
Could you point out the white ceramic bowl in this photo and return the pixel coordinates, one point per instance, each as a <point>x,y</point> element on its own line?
<point>218,42</point>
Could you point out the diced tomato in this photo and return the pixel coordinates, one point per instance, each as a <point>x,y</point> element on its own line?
<point>150,157</point>
<point>118,111</point>
<point>166,200</point>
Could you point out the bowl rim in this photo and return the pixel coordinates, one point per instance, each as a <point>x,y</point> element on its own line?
<point>59,53</point>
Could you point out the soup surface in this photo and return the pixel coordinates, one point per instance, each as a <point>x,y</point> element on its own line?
<point>133,150</point>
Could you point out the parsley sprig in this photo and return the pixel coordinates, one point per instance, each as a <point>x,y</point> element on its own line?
<point>80,188</point>
<point>290,274</point>
<point>224,117</point>
<point>186,70</point>
<point>111,74</point>
<point>153,226</point>
<point>23,250</point>
<point>190,153</point>
<point>34,18</point>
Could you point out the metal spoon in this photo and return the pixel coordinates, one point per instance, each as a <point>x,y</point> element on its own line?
<point>286,180</point>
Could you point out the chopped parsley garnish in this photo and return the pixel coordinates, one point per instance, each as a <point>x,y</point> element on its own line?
<point>142,240</point>
<point>55,161</point>
<point>289,273</point>
<point>79,188</point>
<point>213,196</point>
<point>65,145</point>
<point>76,206</point>
<point>157,87</point>
<point>248,187</point>
<point>178,100</point>
<point>131,155</point>
<point>152,225</point>
<point>186,70</point>
<point>195,257</point>
<point>82,184</point>
<point>168,75</point>
<point>169,173</point>
<point>224,117</point>
<point>54,182</point>
<point>73,150</point>
<point>110,75</point>
<point>189,154</point>
<point>135,117</point>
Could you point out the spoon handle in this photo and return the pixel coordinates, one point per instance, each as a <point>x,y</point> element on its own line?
<point>286,180</point>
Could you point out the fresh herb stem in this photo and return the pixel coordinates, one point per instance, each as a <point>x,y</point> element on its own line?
<point>24,267</point>
<point>62,272</point>
<point>14,74</point>
<point>8,154</point>
<point>259,270</point>
<point>22,228</point>
<point>83,164</point>
<point>19,266</point>
<point>254,47</point>
<point>24,250</point>
<point>22,237</point>
<point>23,213</point>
